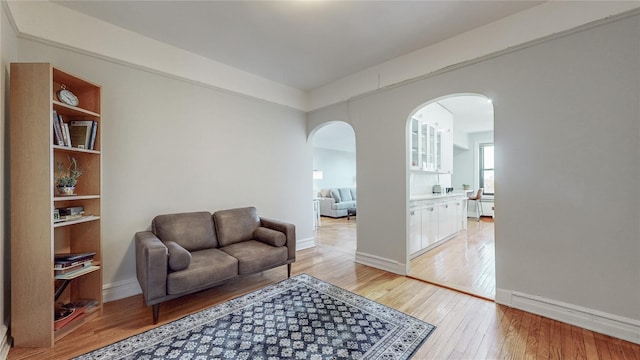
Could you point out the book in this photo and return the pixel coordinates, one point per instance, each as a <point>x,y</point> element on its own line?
<point>69,269</point>
<point>57,129</point>
<point>78,272</point>
<point>73,256</point>
<point>64,261</point>
<point>69,264</point>
<point>65,316</point>
<point>66,135</point>
<point>94,131</point>
<point>80,131</point>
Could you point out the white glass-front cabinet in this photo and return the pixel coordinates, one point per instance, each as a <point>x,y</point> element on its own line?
<point>415,144</point>
<point>427,147</point>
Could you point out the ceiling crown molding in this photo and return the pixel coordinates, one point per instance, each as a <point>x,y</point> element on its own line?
<point>54,24</point>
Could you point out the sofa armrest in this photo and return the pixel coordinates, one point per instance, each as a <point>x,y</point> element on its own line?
<point>326,205</point>
<point>289,231</point>
<point>151,266</point>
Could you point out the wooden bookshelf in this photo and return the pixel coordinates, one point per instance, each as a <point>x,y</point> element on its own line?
<point>35,238</point>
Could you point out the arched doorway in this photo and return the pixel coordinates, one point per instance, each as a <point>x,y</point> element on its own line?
<point>450,147</point>
<point>334,185</point>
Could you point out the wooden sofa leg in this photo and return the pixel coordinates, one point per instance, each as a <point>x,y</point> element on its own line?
<point>289,270</point>
<point>156,313</point>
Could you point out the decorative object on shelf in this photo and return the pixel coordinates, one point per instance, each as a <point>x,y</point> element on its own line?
<point>67,97</point>
<point>67,178</point>
<point>465,187</point>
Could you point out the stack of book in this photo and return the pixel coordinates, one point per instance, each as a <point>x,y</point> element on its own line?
<point>75,133</point>
<point>66,265</point>
<point>67,312</point>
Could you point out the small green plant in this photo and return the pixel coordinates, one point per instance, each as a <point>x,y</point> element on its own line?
<point>68,176</point>
<point>466,186</point>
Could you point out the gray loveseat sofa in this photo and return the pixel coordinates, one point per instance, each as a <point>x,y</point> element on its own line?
<point>189,252</point>
<point>335,202</point>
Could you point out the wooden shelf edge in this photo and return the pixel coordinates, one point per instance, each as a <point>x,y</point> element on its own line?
<point>76,274</point>
<point>77,221</point>
<point>75,109</point>
<point>75,149</point>
<point>75,323</point>
<point>76,197</point>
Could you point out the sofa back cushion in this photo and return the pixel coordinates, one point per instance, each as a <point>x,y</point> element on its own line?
<point>335,194</point>
<point>236,225</point>
<point>345,194</point>
<point>193,231</point>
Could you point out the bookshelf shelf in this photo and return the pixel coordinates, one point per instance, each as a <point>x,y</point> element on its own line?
<point>76,221</point>
<point>73,110</point>
<point>75,150</point>
<point>75,274</point>
<point>76,197</point>
<point>36,291</point>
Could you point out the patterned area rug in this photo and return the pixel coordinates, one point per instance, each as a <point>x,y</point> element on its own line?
<point>298,318</point>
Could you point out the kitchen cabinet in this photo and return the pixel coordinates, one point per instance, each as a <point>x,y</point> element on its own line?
<point>429,225</point>
<point>434,221</point>
<point>431,146</point>
<point>415,230</point>
<point>425,147</point>
<point>446,220</point>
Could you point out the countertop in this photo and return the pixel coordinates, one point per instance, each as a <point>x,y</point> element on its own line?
<point>436,196</point>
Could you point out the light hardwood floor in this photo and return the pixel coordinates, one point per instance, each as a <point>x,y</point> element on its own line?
<point>467,327</point>
<point>465,262</point>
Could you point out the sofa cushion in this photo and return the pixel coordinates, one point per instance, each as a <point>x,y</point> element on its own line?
<point>236,225</point>
<point>254,256</point>
<point>193,231</point>
<point>353,194</point>
<point>344,205</point>
<point>335,194</point>
<point>179,257</point>
<point>345,194</point>
<point>208,267</point>
<point>270,236</point>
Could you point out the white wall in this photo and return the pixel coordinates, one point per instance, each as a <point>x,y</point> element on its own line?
<point>338,168</point>
<point>8,53</point>
<point>172,146</point>
<point>465,161</point>
<point>566,118</point>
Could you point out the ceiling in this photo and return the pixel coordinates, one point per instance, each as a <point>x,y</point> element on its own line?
<point>303,44</point>
<point>308,44</point>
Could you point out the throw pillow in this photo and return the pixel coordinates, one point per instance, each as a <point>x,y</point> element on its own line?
<point>270,236</point>
<point>336,195</point>
<point>179,257</point>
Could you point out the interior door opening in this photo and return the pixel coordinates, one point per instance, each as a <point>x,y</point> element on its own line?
<point>334,186</point>
<point>450,157</point>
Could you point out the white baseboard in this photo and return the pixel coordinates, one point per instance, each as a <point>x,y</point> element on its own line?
<point>307,243</point>
<point>120,290</point>
<point>381,263</point>
<point>594,320</point>
<point>123,289</point>
<point>5,344</point>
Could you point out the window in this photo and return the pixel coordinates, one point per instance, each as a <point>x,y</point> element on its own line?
<point>486,168</point>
